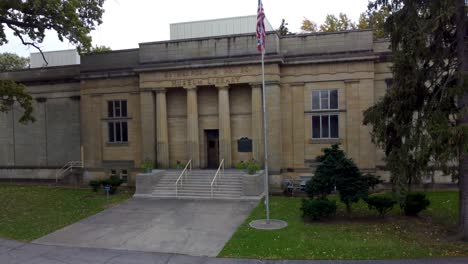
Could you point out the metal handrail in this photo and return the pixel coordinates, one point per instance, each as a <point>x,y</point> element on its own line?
<point>68,167</point>
<point>183,173</point>
<point>216,175</point>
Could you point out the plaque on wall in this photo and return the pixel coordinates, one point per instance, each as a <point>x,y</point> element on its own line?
<point>244,145</point>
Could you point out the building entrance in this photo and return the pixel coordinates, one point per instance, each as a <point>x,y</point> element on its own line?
<point>212,140</point>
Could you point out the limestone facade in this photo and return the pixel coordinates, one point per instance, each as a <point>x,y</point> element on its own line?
<point>201,100</point>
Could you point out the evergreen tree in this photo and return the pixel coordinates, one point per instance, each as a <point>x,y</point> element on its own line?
<point>415,122</point>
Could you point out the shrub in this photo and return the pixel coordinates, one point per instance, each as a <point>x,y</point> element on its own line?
<point>251,166</point>
<point>114,183</point>
<point>95,185</point>
<point>147,166</point>
<point>372,180</point>
<point>382,203</point>
<point>414,203</point>
<point>241,165</point>
<point>318,209</point>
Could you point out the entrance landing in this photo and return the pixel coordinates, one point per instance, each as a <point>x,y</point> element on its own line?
<point>198,228</point>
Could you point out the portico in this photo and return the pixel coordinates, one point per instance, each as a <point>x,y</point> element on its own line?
<point>188,104</point>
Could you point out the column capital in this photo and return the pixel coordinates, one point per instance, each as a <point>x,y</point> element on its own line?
<point>160,90</point>
<point>297,84</point>
<point>223,87</point>
<point>191,88</point>
<point>256,85</point>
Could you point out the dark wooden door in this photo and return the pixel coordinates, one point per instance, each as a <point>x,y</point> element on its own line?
<point>212,140</point>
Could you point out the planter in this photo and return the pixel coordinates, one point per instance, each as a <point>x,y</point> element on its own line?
<point>252,184</point>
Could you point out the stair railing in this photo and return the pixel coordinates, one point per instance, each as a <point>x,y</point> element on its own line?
<point>183,175</point>
<point>66,168</point>
<point>218,173</point>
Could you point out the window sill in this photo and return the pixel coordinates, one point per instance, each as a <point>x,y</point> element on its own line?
<point>116,144</point>
<point>324,141</point>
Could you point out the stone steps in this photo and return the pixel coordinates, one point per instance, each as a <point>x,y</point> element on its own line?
<point>197,185</point>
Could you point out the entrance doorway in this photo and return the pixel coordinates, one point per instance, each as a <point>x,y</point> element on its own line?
<point>212,148</point>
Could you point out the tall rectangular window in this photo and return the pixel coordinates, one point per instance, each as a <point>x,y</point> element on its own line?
<point>117,126</point>
<point>325,100</point>
<point>325,122</point>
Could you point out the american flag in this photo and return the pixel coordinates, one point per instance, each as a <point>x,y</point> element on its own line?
<point>261,35</point>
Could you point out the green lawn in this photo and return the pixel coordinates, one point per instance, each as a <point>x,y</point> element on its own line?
<point>29,212</point>
<point>364,236</point>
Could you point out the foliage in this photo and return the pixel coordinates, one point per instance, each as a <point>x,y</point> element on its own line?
<point>283,29</point>
<point>12,94</point>
<point>375,19</point>
<point>95,185</point>
<point>414,203</point>
<point>382,203</point>
<point>147,166</point>
<point>29,20</point>
<point>99,49</point>
<point>372,180</point>
<point>114,182</point>
<point>318,209</point>
<point>335,24</point>
<point>308,25</point>
<point>28,212</point>
<point>338,171</point>
<point>11,62</point>
<point>250,166</point>
<point>365,237</point>
<point>415,121</point>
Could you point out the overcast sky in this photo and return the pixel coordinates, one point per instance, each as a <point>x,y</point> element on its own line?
<point>129,22</point>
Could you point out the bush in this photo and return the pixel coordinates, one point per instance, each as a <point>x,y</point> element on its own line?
<point>251,166</point>
<point>147,166</point>
<point>95,185</point>
<point>414,203</point>
<point>372,180</point>
<point>241,165</point>
<point>382,203</point>
<point>114,183</point>
<point>318,208</point>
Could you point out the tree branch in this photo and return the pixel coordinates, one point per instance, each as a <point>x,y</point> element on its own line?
<point>18,33</point>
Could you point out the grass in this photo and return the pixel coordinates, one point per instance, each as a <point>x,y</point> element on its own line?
<point>363,236</point>
<point>29,212</point>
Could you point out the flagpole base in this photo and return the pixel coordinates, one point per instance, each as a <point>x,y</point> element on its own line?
<point>273,224</point>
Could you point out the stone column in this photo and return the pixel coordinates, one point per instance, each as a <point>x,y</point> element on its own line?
<point>224,120</point>
<point>162,138</point>
<point>298,122</point>
<point>273,104</point>
<point>193,144</point>
<point>148,131</point>
<point>257,124</point>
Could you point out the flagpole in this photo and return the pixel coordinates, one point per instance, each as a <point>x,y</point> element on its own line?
<point>265,139</point>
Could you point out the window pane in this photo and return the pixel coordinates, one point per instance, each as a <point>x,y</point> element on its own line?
<point>316,127</point>
<point>118,132</point>
<point>117,108</point>
<point>325,127</point>
<point>124,108</point>
<point>316,100</point>
<point>110,109</point>
<point>110,127</point>
<point>124,132</point>
<point>324,99</point>
<point>334,126</point>
<point>334,99</point>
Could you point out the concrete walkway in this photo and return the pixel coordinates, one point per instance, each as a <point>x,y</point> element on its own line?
<point>198,228</point>
<point>13,252</point>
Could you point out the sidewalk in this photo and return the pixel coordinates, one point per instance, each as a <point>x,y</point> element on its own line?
<point>14,252</point>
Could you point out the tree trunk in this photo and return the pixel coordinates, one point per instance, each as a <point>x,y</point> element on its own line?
<point>463,162</point>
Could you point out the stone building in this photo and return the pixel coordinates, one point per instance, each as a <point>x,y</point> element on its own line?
<point>201,99</point>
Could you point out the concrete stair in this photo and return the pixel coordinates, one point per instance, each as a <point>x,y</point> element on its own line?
<point>197,185</point>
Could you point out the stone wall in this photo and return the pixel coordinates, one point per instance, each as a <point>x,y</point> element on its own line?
<point>51,141</point>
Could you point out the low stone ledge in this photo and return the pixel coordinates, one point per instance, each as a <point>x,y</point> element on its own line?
<point>146,182</point>
<point>252,184</point>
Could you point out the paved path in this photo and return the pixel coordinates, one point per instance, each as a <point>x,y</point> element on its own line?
<point>199,228</point>
<point>13,252</point>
